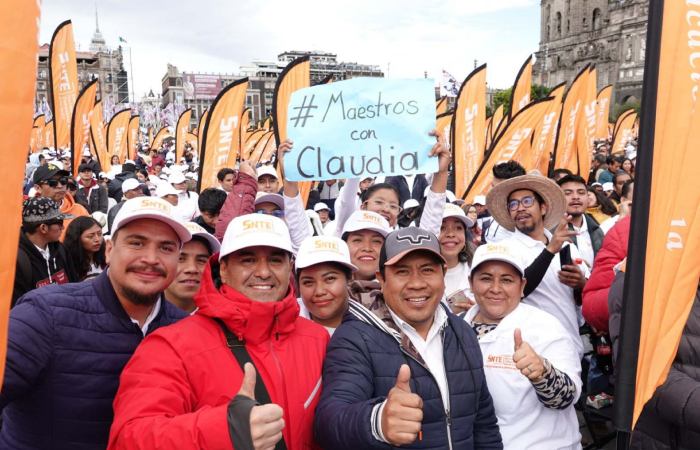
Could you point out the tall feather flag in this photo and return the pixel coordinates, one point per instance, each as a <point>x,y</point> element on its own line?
<point>202,124</point>
<point>63,78</point>
<point>245,120</point>
<point>663,264</point>
<point>520,94</point>
<point>513,141</point>
<point>160,136</point>
<point>623,131</point>
<point>619,120</point>
<point>268,151</point>
<point>294,77</point>
<point>117,135</point>
<point>256,155</point>
<point>39,124</point>
<point>80,123</point>
<point>467,130</point>
<point>251,142</point>
<point>545,136</point>
<point>49,140</point>
<point>565,152</point>
<point>19,28</point>
<point>99,137</point>
<point>441,106</point>
<point>133,136</point>
<point>443,123</point>
<point>150,136</point>
<point>587,126</point>
<point>603,107</point>
<point>220,136</point>
<point>496,122</point>
<point>181,130</point>
<point>487,133</point>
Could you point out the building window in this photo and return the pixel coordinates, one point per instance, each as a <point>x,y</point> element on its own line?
<point>40,86</point>
<point>178,97</point>
<point>568,27</point>
<point>42,73</point>
<point>558,24</point>
<point>249,100</point>
<point>622,74</point>
<point>597,19</point>
<point>109,78</point>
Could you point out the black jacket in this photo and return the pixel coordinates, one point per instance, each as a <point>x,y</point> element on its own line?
<point>401,185</point>
<point>33,270</point>
<point>98,198</point>
<point>671,418</point>
<point>112,214</point>
<point>199,220</point>
<point>115,185</point>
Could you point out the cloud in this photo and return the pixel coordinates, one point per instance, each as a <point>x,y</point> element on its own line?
<point>406,38</point>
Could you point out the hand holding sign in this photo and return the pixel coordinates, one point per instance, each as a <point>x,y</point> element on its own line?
<point>526,360</point>
<point>441,151</point>
<point>402,414</point>
<point>266,421</point>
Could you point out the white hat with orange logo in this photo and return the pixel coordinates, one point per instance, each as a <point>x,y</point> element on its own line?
<point>366,220</point>
<point>197,230</point>
<point>323,249</point>
<point>499,251</point>
<point>150,208</point>
<point>255,230</point>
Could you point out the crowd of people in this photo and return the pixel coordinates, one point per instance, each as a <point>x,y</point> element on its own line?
<point>383,312</point>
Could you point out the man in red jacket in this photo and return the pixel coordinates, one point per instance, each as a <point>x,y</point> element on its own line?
<point>184,388</point>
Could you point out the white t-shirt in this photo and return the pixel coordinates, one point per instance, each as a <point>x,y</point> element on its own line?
<point>585,246</point>
<point>188,206</point>
<point>495,232</point>
<point>456,279</point>
<point>524,422</point>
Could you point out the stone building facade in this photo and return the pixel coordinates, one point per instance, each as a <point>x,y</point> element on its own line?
<point>608,33</point>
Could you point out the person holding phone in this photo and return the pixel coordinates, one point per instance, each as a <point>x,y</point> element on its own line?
<point>530,206</point>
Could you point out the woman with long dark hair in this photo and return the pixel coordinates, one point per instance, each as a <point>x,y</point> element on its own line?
<point>474,233</point>
<point>600,207</point>
<point>86,246</point>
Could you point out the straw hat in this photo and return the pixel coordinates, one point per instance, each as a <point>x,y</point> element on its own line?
<point>551,193</point>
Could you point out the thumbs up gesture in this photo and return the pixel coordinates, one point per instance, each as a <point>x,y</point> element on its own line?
<point>526,360</point>
<point>402,414</point>
<point>266,421</point>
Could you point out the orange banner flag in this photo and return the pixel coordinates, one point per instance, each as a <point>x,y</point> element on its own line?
<point>39,124</point>
<point>80,123</point>
<point>619,120</point>
<point>510,145</point>
<point>487,137</point>
<point>587,126</point>
<point>49,140</point>
<point>565,153</point>
<point>150,136</point>
<point>441,106</point>
<point>245,121</point>
<point>269,151</point>
<point>623,132</point>
<point>443,123</point>
<point>468,128</point>
<point>603,108</point>
<point>200,128</point>
<point>496,122</point>
<point>181,130</point>
<point>191,139</point>
<point>99,137</point>
<point>256,155</point>
<point>160,136</point>
<point>19,28</point>
<point>117,135</point>
<point>520,94</point>
<point>294,77</point>
<point>545,136</point>
<point>220,135</point>
<point>63,76</point>
<point>133,136</point>
<point>251,142</point>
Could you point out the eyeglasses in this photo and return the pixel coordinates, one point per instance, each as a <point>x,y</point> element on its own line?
<point>53,183</point>
<point>381,204</point>
<point>527,202</point>
<point>277,213</point>
<point>54,222</point>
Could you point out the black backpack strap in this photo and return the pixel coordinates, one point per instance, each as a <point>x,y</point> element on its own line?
<point>241,354</point>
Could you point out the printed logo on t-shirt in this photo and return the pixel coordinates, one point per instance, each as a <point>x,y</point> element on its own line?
<point>57,278</point>
<point>500,362</point>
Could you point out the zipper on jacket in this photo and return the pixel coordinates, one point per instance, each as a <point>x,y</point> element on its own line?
<point>277,327</point>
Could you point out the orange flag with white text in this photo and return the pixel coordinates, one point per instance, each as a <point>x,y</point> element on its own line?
<point>49,140</point>
<point>623,131</point>
<point>520,94</point>
<point>251,142</point>
<point>160,136</point>
<point>544,138</point>
<point>133,136</point>
<point>19,29</point>
<point>220,135</point>
<point>566,153</point>
<point>603,108</point>
<point>441,106</point>
<point>496,122</point>
<point>587,126</point>
<point>63,76</point>
<point>200,128</point>
<point>510,145</point>
<point>99,137</point>
<point>443,123</point>
<point>80,122</point>
<point>468,128</point>
<point>245,121</point>
<point>181,130</point>
<point>39,124</point>
<point>117,135</point>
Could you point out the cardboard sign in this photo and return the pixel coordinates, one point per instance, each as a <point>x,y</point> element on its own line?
<point>361,127</point>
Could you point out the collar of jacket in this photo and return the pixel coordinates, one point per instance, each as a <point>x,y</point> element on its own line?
<point>31,248</point>
<point>92,184</point>
<point>105,292</point>
<point>251,321</point>
<point>591,224</point>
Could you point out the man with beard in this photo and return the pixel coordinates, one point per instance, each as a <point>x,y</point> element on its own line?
<point>530,206</point>
<point>590,235</point>
<point>68,344</point>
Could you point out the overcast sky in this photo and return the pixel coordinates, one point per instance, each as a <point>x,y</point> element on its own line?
<point>405,37</point>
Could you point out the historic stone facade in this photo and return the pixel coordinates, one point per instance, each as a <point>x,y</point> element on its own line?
<point>608,33</point>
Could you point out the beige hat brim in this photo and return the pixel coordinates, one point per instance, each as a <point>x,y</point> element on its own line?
<point>551,193</point>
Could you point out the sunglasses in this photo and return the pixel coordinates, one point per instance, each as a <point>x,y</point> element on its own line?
<point>53,183</point>
<point>278,213</point>
<point>54,222</point>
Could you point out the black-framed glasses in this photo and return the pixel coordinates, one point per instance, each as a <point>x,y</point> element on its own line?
<point>527,202</point>
<point>54,222</point>
<point>53,183</point>
<point>277,213</point>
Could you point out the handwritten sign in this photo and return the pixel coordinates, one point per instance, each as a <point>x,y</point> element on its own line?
<point>361,127</point>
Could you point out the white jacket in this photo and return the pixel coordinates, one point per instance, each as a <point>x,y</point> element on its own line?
<point>524,422</point>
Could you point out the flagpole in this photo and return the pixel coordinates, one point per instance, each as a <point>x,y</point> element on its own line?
<point>131,64</point>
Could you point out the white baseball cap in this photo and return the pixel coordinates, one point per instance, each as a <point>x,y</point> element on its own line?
<point>86,153</point>
<point>254,230</point>
<point>150,208</point>
<point>176,178</point>
<point>320,206</point>
<point>103,175</point>
<point>410,203</point>
<point>153,179</point>
<point>267,170</point>
<point>450,196</point>
<point>164,189</point>
<point>457,212</point>
<point>607,186</point>
<point>197,230</point>
<point>632,154</point>
<point>323,249</point>
<point>500,251</point>
<point>366,220</point>
<point>480,200</point>
<point>262,197</point>
<point>129,184</point>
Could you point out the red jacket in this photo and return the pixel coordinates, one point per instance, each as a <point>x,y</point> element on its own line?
<point>175,391</point>
<point>238,202</point>
<point>595,294</point>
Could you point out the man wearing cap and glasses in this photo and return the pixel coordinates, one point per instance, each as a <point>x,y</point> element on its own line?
<point>41,258</point>
<point>197,384</point>
<point>402,370</point>
<point>52,181</point>
<point>81,335</point>
<point>530,206</point>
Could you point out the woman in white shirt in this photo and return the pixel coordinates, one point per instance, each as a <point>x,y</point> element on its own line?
<point>323,270</point>
<point>531,364</point>
<point>458,252</point>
